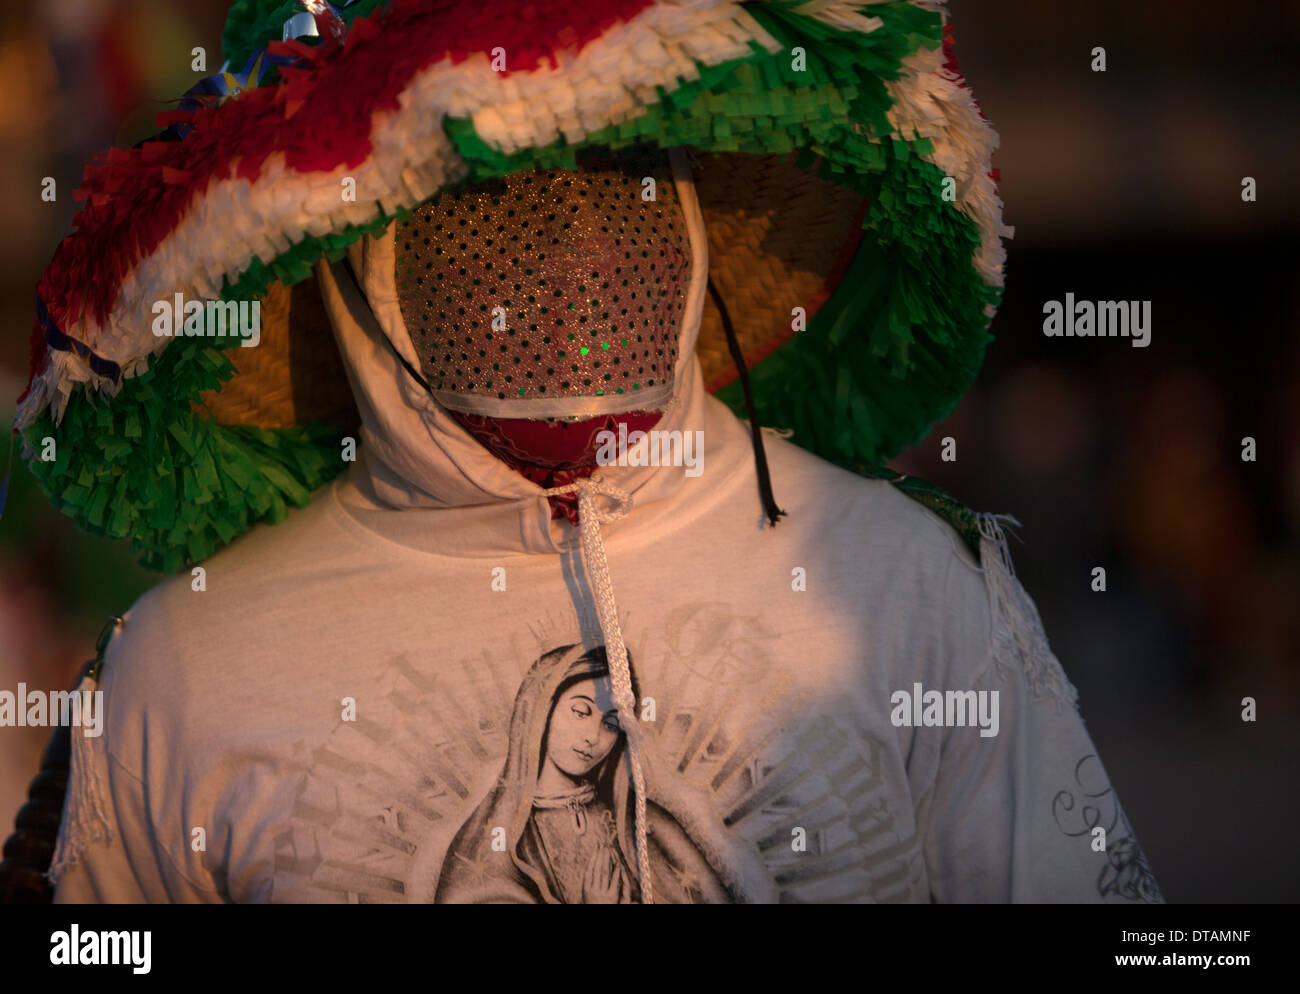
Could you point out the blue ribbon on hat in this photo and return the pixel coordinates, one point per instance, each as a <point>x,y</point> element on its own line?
<point>56,339</point>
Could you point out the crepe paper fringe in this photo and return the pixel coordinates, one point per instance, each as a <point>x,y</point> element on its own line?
<point>885,357</point>
<point>85,818</point>
<point>903,337</point>
<point>151,468</point>
<point>1018,636</point>
<point>250,24</point>
<point>930,100</point>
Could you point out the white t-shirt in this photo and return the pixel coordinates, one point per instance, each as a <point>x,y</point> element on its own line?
<point>772,741</point>
<point>361,702</point>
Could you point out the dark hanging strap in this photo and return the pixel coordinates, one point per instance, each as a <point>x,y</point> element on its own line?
<point>755,432</point>
<point>409,368</point>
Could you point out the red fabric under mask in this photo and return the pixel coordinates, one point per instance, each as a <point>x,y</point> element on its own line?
<point>551,454</point>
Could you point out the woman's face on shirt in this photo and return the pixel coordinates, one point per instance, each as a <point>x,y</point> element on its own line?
<point>584,727</point>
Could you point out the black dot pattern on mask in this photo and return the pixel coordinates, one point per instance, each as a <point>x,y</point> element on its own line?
<point>548,283</point>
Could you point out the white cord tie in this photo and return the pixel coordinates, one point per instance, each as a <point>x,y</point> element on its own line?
<point>620,675</point>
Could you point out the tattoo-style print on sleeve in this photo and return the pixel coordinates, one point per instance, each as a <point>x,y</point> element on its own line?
<point>1092,803</point>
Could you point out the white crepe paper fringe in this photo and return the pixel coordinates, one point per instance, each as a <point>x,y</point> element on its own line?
<point>85,821</point>
<point>1018,635</point>
<point>843,15</point>
<point>930,102</point>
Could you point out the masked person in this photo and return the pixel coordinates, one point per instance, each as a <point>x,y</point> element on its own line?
<point>544,243</point>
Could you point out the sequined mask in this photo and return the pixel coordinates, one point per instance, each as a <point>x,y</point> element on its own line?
<point>555,294</point>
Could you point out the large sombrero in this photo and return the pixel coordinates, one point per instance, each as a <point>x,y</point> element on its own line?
<point>843,169</point>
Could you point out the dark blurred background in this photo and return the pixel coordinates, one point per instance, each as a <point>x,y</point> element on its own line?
<point>1122,185</point>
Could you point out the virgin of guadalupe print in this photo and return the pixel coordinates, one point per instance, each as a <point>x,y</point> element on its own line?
<point>559,825</point>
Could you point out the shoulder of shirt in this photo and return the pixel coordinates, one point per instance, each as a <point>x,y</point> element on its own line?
<point>957,516</point>
<point>900,542</point>
<point>175,629</point>
<point>902,509</point>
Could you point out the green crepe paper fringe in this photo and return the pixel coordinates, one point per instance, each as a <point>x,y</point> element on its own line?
<point>882,360</point>
<point>885,357</point>
<point>251,24</point>
<point>150,468</point>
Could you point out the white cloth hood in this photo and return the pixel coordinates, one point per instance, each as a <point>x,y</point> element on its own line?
<point>414,454</point>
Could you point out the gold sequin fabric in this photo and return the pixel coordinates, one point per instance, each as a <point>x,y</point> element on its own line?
<point>548,284</point>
